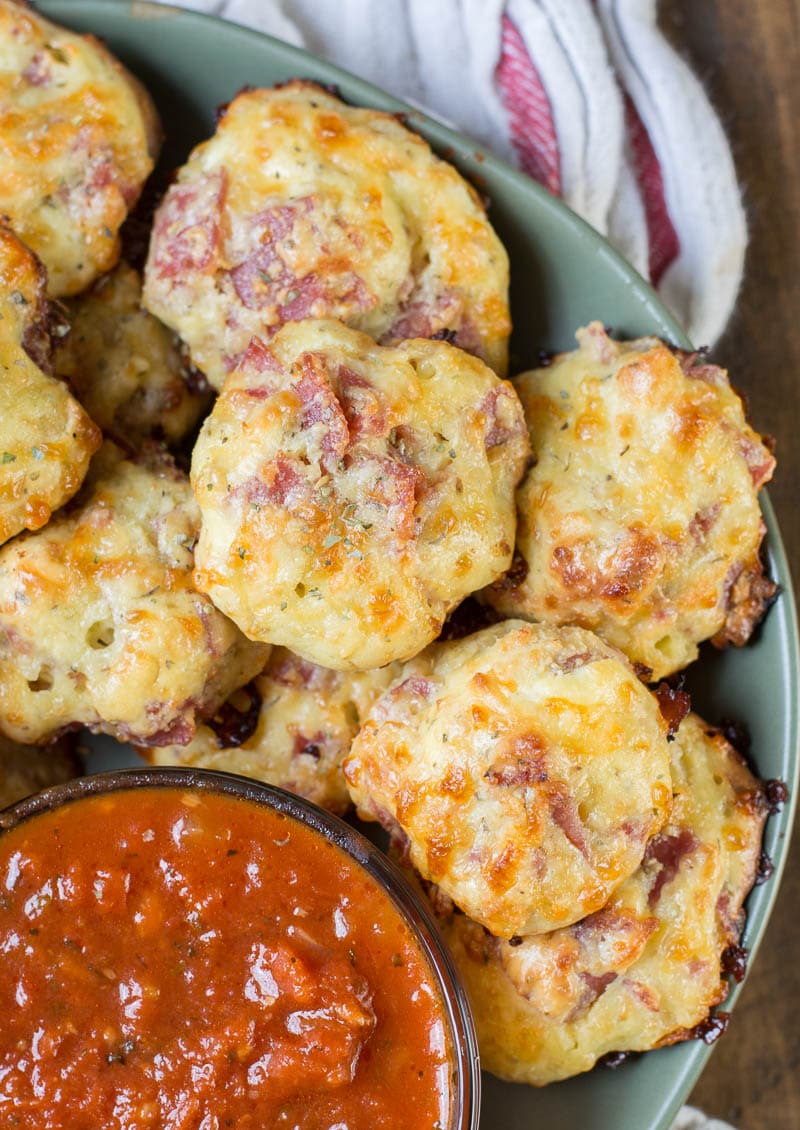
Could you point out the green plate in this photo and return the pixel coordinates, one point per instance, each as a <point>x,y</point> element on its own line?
<point>562,275</point>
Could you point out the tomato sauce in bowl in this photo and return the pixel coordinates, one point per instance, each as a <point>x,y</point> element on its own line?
<point>190,951</point>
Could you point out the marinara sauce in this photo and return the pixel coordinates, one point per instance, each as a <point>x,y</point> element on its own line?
<point>191,960</point>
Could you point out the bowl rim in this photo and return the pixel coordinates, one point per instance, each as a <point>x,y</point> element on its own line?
<point>465,1072</point>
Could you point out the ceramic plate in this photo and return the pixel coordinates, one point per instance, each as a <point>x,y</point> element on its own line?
<point>562,276</point>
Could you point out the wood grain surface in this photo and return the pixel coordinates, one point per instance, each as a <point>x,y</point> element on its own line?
<point>748,54</point>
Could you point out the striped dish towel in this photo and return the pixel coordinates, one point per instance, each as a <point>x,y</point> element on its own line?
<point>586,96</point>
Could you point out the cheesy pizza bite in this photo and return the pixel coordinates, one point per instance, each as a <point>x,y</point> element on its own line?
<point>80,135</point>
<point>125,367</point>
<point>290,727</point>
<point>301,206</point>
<point>528,768</point>
<point>640,518</point>
<point>100,624</point>
<point>645,970</point>
<point>352,494</point>
<point>26,769</point>
<point>46,438</point>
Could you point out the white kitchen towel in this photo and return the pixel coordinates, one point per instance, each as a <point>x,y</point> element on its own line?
<point>587,96</point>
<point>692,1119</point>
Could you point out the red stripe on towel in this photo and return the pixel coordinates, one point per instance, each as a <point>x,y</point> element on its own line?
<point>662,237</point>
<point>530,117</point>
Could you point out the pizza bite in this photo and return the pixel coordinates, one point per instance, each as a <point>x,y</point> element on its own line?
<point>291,726</point>
<point>46,438</point>
<point>100,624</point>
<point>352,494</point>
<point>646,969</point>
<point>301,206</point>
<point>125,367</point>
<point>80,135</point>
<point>639,518</point>
<point>526,766</point>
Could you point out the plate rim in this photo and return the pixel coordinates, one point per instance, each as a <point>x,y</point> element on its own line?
<point>475,156</point>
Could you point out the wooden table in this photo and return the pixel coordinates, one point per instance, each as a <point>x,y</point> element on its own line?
<point>748,53</point>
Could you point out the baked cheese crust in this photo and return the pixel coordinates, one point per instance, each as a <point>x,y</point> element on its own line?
<point>46,438</point>
<point>645,970</point>
<point>125,367</point>
<point>79,137</point>
<point>302,206</point>
<point>352,494</point>
<point>528,768</point>
<point>640,518</point>
<point>304,720</point>
<point>100,624</point>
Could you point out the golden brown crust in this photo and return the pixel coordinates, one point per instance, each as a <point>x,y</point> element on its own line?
<point>100,624</point>
<point>645,970</point>
<point>527,766</point>
<point>304,726</point>
<point>748,595</point>
<point>301,206</point>
<point>124,366</point>
<point>46,438</point>
<point>352,494</point>
<point>80,135</point>
<point>151,123</point>
<point>640,517</point>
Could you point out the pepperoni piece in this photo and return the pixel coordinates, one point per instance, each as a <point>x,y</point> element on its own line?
<point>365,408</point>
<point>414,687</point>
<point>309,747</point>
<point>704,519</point>
<point>282,486</point>
<point>38,72</point>
<point>424,318</point>
<point>186,235</point>
<point>669,851</point>
<point>760,461</point>
<point>565,814</point>
<point>266,279</point>
<point>502,419</point>
<point>293,671</point>
<point>396,487</point>
<point>258,358</point>
<point>523,765</point>
<point>321,407</point>
<point>315,295</point>
<point>258,277</point>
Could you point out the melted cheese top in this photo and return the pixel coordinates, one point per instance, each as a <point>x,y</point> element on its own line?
<point>79,136</point>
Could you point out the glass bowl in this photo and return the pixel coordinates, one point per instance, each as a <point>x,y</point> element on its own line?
<point>456,1014</point>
